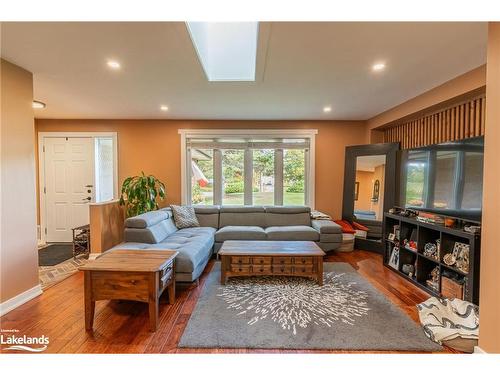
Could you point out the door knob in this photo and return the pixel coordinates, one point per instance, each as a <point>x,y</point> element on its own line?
<point>89,186</point>
<point>87,199</point>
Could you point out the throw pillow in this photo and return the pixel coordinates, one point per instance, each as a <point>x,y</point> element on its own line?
<point>184,216</point>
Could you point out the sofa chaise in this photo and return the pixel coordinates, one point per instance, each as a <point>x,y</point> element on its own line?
<point>157,230</point>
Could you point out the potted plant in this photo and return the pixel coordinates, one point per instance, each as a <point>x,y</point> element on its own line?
<point>140,193</point>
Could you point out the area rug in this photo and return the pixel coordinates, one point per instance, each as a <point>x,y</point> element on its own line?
<point>52,275</point>
<point>55,254</point>
<point>346,313</point>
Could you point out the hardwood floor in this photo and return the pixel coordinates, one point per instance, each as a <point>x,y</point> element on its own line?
<point>122,326</point>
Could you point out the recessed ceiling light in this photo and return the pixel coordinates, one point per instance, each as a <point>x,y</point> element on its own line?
<point>378,67</point>
<point>38,105</point>
<point>164,108</point>
<point>113,64</point>
<point>327,109</point>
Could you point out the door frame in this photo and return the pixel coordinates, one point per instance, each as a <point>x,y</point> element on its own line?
<point>41,167</point>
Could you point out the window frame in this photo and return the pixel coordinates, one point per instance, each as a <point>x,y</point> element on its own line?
<point>309,134</point>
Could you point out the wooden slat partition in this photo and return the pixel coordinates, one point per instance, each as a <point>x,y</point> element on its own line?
<point>455,122</point>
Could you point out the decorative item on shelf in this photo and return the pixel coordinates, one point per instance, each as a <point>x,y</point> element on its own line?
<point>410,245</point>
<point>394,259</point>
<point>408,269</point>
<point>474,229</point>
<point>431,250</point>
<point>433,282</point>
<point>392,237</point>
<point>394,210</point>
<point>396,231</point>
<point>462,256</point>
<point>409,213</point>
<point>449,259</point>
<point>425,217</point>
<point>449,222</point>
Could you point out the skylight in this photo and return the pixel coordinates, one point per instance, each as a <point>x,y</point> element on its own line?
<point>227,50</point>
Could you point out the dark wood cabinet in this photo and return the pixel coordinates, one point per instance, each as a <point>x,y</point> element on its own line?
<point>423,265</point>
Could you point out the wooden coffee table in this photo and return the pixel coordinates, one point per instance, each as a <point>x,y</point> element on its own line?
<point>137,275</point>
<point>280,258</point>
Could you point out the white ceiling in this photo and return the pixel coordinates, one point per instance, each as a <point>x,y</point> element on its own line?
<point>369,163</point>
<point>301,67</point>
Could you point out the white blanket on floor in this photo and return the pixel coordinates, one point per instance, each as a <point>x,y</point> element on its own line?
<point>446,319</point>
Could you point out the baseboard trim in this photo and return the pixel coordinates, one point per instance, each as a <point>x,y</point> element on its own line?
<point>20,299</point>
<point>478,350</point>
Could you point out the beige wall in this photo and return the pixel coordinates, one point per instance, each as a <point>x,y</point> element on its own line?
<point>154,146</point>
<point>489,299</point>
<point>365,179</point>
<point>18,243</point>
<point>462,84</point>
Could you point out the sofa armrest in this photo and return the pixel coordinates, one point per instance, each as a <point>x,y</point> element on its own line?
<point>326,227</point>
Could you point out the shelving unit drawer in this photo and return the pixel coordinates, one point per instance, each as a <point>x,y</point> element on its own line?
<point>303,270</point>
<point>282,269</point>
<point>261,260</point>
<point>242,269</point>
<point>302,260</point>
<point>282,260</point>
<point>264,270</point>
<point>240,260</point>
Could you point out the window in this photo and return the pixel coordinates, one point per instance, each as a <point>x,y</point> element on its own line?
<point>105,174</point>
<point>416,171</point>
<point>266,167</point>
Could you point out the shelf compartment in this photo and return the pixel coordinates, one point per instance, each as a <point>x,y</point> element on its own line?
<point>424,269</point>
<point>448,242</point>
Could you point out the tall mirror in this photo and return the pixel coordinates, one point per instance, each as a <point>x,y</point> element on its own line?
<point>369,189</point>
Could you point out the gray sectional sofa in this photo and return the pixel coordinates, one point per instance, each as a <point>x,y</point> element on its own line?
<point>156,230</point>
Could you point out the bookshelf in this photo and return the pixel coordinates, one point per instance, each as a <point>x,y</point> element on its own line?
<point>421,233</point>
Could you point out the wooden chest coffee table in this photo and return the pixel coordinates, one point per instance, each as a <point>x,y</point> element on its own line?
<point>279,258</point>
<point>137,275</point>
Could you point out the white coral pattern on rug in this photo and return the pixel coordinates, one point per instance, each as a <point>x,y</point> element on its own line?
<point>295,302</point>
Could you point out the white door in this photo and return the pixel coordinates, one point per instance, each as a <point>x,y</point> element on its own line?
<point>69,185</point>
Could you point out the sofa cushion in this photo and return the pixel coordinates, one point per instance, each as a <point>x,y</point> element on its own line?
<point>146,219</point>
<point>292,233</point>
<point>287,209</point>
<point>184,216</point>
<point>193,244</point>
<point>208,216</point>
<point>287,215</point>
<point>240,232</point>
<point>326,227</point>
<point>152,234</point>
<point>331,237</point>
<point>242,216</point>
